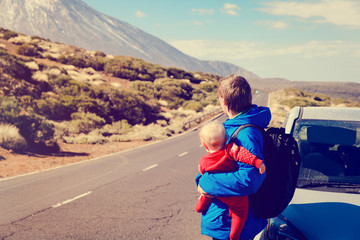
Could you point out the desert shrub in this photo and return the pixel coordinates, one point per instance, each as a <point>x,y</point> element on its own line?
<point>59,80</point>
<point>39,38</point>
<point>42,66</point>
<point>71,60</point>
<point>209,87</point>
<point>75,88</point>
<point>193,105</point>
<point>101,108</point>
<point>65,85</point>
<point>97,63</point>
<point>175,92</point>
<point>156,70</point>
<point>99,54</point>
<point>127,105</point>
<point>199,95</point>
<point>119,138</point>
<point>14,66</point>
<point>133,69</point>
<point>50,57</point>
<point>26,101</point>
<point>84,122</point>
<point>56,108</point>
<point>116,128</point>
<point>301,102</point>
<point>179,74</point>
<point>147,71</point>
<point>28,50</point>
<point>172,95</point>
<point>181,89</point>
<point>10,34</point>
<point>9,109</point>
<point>294,92</point>
<point>210,100</point>
<point>205,98</point>
<point>150,132</point>
<point>34,129</point>
<point>10,138</point>
<point>122,68</point>
<point>145,88</point>
<point>91,138</point>
<point>325,100</point>
<point>72,98</point>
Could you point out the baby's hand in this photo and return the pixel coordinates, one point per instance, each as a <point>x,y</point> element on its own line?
<point>262,168</point>
<point>234,150</point>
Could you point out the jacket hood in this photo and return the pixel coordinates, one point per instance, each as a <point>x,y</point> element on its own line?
<point>259,116</point>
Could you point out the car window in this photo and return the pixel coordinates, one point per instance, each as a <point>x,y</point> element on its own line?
<point>330,152</point>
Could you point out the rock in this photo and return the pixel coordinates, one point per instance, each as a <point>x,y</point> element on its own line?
<point>20,40</point>
<point>32,65</point>
<point>54,71</point>
<point>40,76</point>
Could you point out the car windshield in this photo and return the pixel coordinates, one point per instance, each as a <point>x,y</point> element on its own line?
<point>330,153</point>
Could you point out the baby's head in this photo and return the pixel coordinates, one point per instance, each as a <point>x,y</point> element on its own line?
<point>213,136</point>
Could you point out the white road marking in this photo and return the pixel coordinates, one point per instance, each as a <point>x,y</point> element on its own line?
<point>150,167</point>
<point>183,154</point>
<point>70,200</point>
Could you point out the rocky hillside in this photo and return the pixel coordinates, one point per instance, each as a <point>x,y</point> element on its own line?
<point>52,92</point>
<point>74,22</point>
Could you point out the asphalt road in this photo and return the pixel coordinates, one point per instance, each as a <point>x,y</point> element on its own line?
<point>144,193</point>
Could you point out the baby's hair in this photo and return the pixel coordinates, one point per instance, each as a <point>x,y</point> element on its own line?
<point>213,135</point>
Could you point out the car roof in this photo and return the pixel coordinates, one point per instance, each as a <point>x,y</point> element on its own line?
<point>320,113</point>
<point>331,113</point>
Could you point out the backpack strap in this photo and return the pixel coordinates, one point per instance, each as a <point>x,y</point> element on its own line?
<point>234,135</point>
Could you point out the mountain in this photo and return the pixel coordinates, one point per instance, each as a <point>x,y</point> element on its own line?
<point>74,22</point>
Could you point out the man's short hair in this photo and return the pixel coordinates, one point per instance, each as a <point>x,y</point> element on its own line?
<point>236,92</point>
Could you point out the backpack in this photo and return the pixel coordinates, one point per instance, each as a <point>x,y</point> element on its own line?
<point>282,161</point>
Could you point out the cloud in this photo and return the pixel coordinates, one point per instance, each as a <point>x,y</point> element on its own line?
<point>198,23</point>
<point>338,12</point>
<point>230,9</point>
<point>203,11</point>
<point>273,24</point>
<point>140,14</point>
<point>214,50</point>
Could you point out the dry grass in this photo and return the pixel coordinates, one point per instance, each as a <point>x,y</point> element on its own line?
<point>10,138</point>
<point>282,101</point>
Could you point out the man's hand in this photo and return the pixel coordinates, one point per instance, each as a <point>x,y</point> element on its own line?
<point>201,191</point>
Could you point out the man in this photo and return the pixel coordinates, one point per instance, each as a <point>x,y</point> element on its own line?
<point>235,98</point>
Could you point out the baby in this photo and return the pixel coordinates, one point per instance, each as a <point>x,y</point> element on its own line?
<point>221,157</point>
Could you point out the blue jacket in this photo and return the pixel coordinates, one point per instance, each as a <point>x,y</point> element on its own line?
<point>215,222</point>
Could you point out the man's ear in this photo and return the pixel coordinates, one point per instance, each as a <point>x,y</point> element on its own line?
<point>221,99</point>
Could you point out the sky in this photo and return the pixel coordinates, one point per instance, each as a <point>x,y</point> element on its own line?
<point>300,40</point>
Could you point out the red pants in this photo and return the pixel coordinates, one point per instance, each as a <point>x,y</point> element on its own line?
<point>238,209</point>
